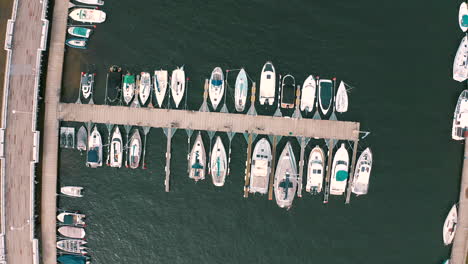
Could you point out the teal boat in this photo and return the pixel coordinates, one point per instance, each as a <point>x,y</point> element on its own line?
<point>325,95</point>
<point>80,32</point>
<point>73,259</point>
<point>77,43</point>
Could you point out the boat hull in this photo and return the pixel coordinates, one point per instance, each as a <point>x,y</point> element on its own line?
<point>341,101</point>
<point>160,86</point>
<point>128,88</point>
<point>72,232</point>
<point>218,164</point>
<point>82,138</point>
<point>325,95</point>
<point>267,84</point>
<point>86,15</point>
<point>450,225</point>
<point>116,149</point>
<point>362,173</point>
<point>260,167</point>
<point>315,170</point>
<point>288,91</point>
<point>144,88</point>
<point>240,92</point>
<point>87,84</point>
<point>178,85</point>
<point>71,191</point>
<point>340,169</point>
<point>460,67</point>
<point>197,160</point>
<point>94,158</point>
<point>463,17</point>
<point>216,87</point>
<point>135,150</point>
<point>77,43</point>
<point>308,94</point>
<point>285,184</point>
<point>79,32</point>
<point>460,117</point>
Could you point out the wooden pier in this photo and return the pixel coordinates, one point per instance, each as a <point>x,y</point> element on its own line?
<point>326,190</point>
<point>168,158</point>
<point>247,166</point>
<point>301,167</point>
<point>273,166</point>
<point>351,172</point>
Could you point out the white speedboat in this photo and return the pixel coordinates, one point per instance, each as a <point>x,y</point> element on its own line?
<point>178,85</point>
<point>87,15</point>
<point>72,191</point>
<point>460,67</point>
<point>285,185</point>
<point>261,167</point>
<point>197,160</point>
<point>128,87</point>
<point>308,94</point>
<point>240,92</point>
<point>116,149</point>
<point>144,88</point>
<point>341,99</point>
<point>71,218</point>
<point>160,85</point>
<point>267,84</point>
<point>72,232</point>
<point>315,170</point>
<point>218,164</point>
<point>135,149</point>
<point>80,32</point>
<point>463,17</point>
<point>91,2</point>
<point>325,95</point>
<point>450,225</point>
<point>340,168</point>
<point>362,173</point>
<point>216,87</point>
<point>75,246</point>
<point>82,139</point>
<point>87,83</point>
<point>460,117</point>
<point>77,43</point>
<point>94,158</point>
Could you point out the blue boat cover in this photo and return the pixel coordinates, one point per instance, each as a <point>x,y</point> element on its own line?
<point>464,21</point>
<point>71,259</point>
<point>341,175</point>
<point>93,155</point>
<point>68,220</point>
<point>216,82</point>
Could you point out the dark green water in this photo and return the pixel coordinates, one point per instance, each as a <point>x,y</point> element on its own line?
<point>397,55</point>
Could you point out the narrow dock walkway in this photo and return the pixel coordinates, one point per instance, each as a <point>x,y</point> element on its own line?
<point>326,191</point>
<point>351,173</point>
<point>168,158</point>
<point>211,121</point>
<point>273,166</point>
<point>247,166</point>
<point>301,167</point>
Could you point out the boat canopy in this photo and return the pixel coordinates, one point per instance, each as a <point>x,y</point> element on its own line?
<point>341,175</point>
<point>80,31</point>
<point>93,155</point>
<point>216,82</point>
<point>71,259</point>
<point>129,78</point>
<point>68,219</point>
<point>464,21</point>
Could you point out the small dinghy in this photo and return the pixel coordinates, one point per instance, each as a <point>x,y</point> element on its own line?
<point>463,17</point>
<point>135,149</point>
<point>160,85</point>
<point>87,83</point>
<point>79,32</point>
<point>460,68</point>
<point>288,91</point>
<point>178,85</point>
<point>87,15</point>
<point>460,117</point>
<point>340,168</point>
<point>450,225</point>
<point>197,160</point>
<point>75,246</point>
<point>72,219</point>
<point>218,163</point>
<point>308,94</point>
<point>315,170</point>
<point>362,172</point>
<point>82,139</point>
<point>94,159</point>
<point>341,99</point>
<point>261,167</point>
<point>240,92</point>
<point>72,232</point>
<point>128,87</point>
<point>91,2</point>
<point>73,259</point>
<point>77,43</point>
<point>116,149</point>
<point>216,88</point>
<point>285,185</point>
<point>144,88</point>
<point>267,84</point>
<point>325,95</point>
<point>72,191</point>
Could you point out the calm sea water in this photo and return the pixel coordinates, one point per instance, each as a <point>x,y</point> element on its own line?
<point>397,55</point>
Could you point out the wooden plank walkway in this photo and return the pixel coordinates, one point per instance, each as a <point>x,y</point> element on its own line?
<point>247,166</point>
<point>273,166</point>
<point>351,172</point>
<point>211,121</point>
<point>326,191</point>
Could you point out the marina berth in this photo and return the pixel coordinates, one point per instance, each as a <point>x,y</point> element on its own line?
<point>82,139</point>
<point>325,95</point>
<point>288,91</point>
<point>135,149</point>
<point>71,218</point>
<point>197,160</point>
<point>285,184</point>
<point>114,83</point>
<point>460,117</point>
<point>87,15</point>
<point>72,191</point>
<point>144,88</point>
<point>94,157</point>
<point>460,68</point>
<point>362,172</point>
<point>87,83</point>
<point>216,88</point>
<point>73,259</point>
<point>77,43</point>
<point>341,99</point>
<point>218,163</point>
<point>128,88</point>
<point>308,94</point>
<point>91,2</point>
<point>260,167</point>
<point>160,86</point>
<point>315,170</point>
<point>116,149</point>
<point>463,16</point>
<point>450,225</point>
<point>75,246</point>
<point>340,168</point>
<point>79,32</point>
<point>72,232</point>
<point>178,85</point>
<point>267,84</point>
<point>240,92</point>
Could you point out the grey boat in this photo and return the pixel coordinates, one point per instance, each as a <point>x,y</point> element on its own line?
<point>82,139</point>
<point>285,178</point>
<point>135,150</point>
<point>197,160</point>
<point>261,167</point>
<point>75,246</point>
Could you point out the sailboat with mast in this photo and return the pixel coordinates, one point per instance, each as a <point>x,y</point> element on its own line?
<point>285,185</point>
<point>160,86</point>
<point>197,160</point>
<point>135,149</point>
<point>218,163</point>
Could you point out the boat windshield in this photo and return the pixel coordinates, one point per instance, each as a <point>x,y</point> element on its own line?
<point>341,162</point>
<point>268,67</point>
<point>215,82</point>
